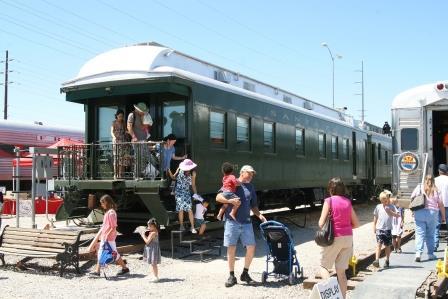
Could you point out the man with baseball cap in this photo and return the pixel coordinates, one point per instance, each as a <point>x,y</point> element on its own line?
<point>241,228</point>
<point>442,185</point>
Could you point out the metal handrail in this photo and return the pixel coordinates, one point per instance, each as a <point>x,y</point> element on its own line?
<point>96,161</point>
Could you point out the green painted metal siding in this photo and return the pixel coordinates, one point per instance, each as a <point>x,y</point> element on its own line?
<point>281,169</point>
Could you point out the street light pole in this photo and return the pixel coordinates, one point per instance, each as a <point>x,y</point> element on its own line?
<point>332,64</point>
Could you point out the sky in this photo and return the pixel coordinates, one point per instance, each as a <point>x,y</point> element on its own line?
<point>402,44</point>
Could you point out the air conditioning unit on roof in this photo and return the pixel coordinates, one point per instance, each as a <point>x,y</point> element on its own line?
<point>222,76</point>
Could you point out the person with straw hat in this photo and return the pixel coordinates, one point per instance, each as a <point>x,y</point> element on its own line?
<point>185,178</point>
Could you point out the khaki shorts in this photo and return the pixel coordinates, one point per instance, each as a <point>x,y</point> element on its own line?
<point>338,254</point>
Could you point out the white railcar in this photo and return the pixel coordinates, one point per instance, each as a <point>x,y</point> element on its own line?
<point>420,134</point>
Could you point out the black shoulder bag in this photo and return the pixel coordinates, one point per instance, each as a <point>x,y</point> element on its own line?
<point>325,235</point>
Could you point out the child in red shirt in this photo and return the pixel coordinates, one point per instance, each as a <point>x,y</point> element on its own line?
<point>229,184</point>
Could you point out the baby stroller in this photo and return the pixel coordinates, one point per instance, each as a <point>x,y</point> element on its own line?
<point>280,252</point>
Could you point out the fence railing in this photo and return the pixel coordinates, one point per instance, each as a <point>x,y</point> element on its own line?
<point>105,161</point>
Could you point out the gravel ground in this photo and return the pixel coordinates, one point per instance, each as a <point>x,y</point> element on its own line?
<point>179,278</point>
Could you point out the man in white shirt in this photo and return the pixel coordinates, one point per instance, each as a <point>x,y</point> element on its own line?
<point>442,185</point>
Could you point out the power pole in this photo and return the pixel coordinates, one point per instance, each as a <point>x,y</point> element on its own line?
<point>5,107</point>
<point>362,90</point>
<point>7,71</point>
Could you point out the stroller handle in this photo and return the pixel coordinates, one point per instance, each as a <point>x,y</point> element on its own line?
<point>270,222</point>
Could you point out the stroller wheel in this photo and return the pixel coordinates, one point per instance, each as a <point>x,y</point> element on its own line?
<point>291,278</point>
<point>264,277</point>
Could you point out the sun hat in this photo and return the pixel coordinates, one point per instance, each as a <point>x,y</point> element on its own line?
<point>187,165</point>
<point>247,168</point>
<point>141,107</point>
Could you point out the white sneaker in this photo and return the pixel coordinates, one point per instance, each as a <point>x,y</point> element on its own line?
<point>194,231</point>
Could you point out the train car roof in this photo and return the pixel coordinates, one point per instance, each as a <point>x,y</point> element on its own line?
<point>423,95</point>
<point>21,126</point>
<point>151,60</point>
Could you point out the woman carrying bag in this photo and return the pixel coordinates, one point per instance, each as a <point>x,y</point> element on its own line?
<point>344,220</point>
<point>426,218</point>
<point>107,234</point>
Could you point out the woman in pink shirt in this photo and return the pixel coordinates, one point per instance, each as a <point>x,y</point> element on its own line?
<point>108,232</point>
<point>344,220</point>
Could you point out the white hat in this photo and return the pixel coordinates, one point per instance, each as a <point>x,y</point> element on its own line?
<point>141,107</point>
<point>247,168</point>
<point>187,165</point>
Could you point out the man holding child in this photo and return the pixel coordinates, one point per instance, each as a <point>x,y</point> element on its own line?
<point>241,227</point>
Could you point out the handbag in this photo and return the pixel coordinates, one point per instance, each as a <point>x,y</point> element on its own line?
<point>107,256</point>
<point>418,202</point>
<point>325,235</point>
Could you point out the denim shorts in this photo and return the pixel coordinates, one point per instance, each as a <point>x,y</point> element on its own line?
<point>234,231</point>
<point>198,222</point>
<point>384,237</point>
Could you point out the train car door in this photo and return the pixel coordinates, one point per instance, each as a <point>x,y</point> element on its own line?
<point>354,155</point>
<point>439,138</point>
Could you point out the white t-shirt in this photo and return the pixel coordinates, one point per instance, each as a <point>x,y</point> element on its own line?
<point>442,184</point>
<point>200,211</point>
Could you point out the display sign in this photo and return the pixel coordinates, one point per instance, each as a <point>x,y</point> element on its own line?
<point>327,289</point>
<point>408,162</point>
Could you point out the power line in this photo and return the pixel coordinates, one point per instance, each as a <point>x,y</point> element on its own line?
<point>53,21</point>
<point>207,27</point>
<point>87,20</point>
<point>121,11</point>
<point>53,36</point>
<point>236,21</point>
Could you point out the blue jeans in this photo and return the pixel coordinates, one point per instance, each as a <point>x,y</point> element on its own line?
<point>438,226</point>
<point>425,227</point>
<point>233,231</point>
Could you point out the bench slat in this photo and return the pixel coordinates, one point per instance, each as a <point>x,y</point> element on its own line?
<point>40,235</point>
<point>38,239</point>
<point>33,243</point>
<point>54,232</point>
<point>32,248</point>
<point>26,253</point>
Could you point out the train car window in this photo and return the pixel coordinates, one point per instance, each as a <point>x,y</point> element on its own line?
<point>334,147</point>
<point>105,117</point>
<point>345,149</point>
<point>217,128</point>
<point>300,141</point>
<point>379,152</point>
<point>322,145</point>
<point>174,118</point>
<point>243,133</point>
<point>409,139</point>
<point>386,158</point>
<point>268,137</point>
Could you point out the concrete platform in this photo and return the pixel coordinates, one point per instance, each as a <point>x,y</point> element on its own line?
<point>401,279</point>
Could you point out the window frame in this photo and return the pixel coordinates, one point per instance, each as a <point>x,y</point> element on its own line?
<point>335,155</point>
<point>322,155</point>
<point>243,145</point>
<point>222,145</point>
<point>299,152</point>
<point>272,148</point>
<point>416,138</point>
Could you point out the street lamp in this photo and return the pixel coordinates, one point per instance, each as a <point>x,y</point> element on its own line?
<point>332,61</point>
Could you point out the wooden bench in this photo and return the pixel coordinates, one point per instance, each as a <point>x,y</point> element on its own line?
<point>38,243</point>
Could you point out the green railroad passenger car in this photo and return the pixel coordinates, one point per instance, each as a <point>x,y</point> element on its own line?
<point>218,115</point>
